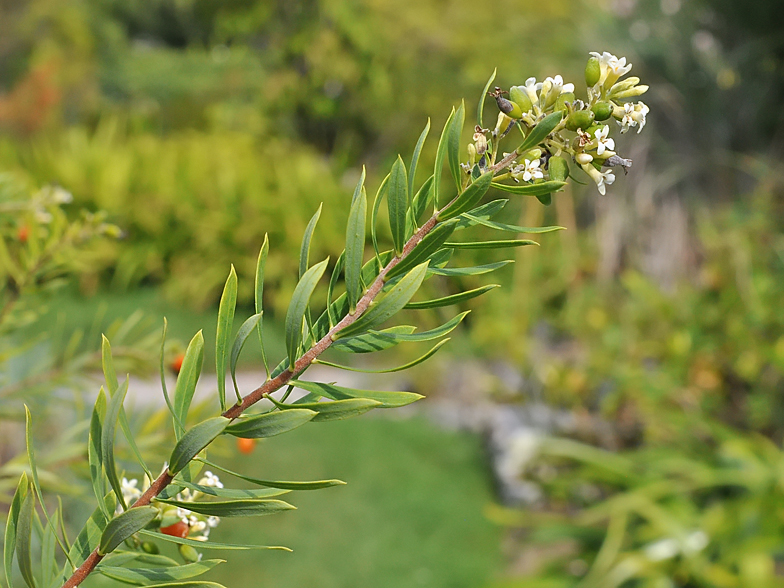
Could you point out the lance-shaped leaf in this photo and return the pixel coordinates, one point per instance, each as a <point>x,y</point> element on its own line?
<point>385,399</point>
<point>119,557</point>
<point>443,146</point>
<point>444,329</point>
<point>449,300</point>
<point>480,106</point>
<point>107,440</point>
<point>283,484</point>
<point>492,244</point>
<point>246,507</point>
<point>297,308</point>
<point>380,194</point>
<point>355,244</point>
<point>269,424</point>
<point>239,342</point>
<point>194,583</point>
<point>468,199</point>
<point>48,562</point>
<point>11,526</point>
<point>193,441</point>
<point>397,203</point>
<point>546,199</point>
<point>124,525</point>
<point>531,189</point>
<point>540,131</point>
<point>228,304</point>
<point>415,158</point>
<point>383,308</point>
<point>258,295</point>
<point>162,370</point>
<point>512,228</point>
<point>399,368</point>
<point>333,281</point>
<point>453,145</point>
<point>24,534</point>
<point>230,493</point>
<point>143,576</point>
<point>336,410</point>
<point>422,199</point>
<point>370,342</point>
<point>304,251</point>
<point>90,535</point>
<point>207,544</point>
<point>469,271</point>
<point>94,452</point>
<point>187,380</point>
<point>486,211</point>
<point>431,243</point>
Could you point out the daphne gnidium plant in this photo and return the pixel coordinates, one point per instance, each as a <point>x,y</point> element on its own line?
<point>181,503</point>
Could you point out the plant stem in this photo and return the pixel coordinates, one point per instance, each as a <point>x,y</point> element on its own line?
<point>272,385</point>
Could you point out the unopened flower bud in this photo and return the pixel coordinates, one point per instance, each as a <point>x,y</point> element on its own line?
<point>558,168</point>
<point>560,102</point>
<point>188,553</point>
<point>632,92</point>
<point>593,72</point>
<point>602,110</point>
<point>580,119</point>
<point>150,547</point>
<point>583,159</point>
<point>519,96</point>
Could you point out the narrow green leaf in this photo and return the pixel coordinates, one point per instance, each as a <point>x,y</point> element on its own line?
<point>415,159</point>
<point>450,300</point>
<point>431,243</point>
<point>193,441</point>
<point>11,527</point>
<point>304,252</point>
<point>196,583</point>
<point>124,525</point>
<point>119,557</point>
<point>384,398</point>
<point>540,132</point>
<point>530,189</point>
<point>239,342</point>
<point>397,203</point>
<point>380,194</point>
<point>285,485</point>
<point>546,199</point>
<point>232,493</point>
<point>333,281</point>
<point>398,368</point>
<point>512,228</point>
<point>111,385</point>
<point>94,453</point>
<point>162,370</point>
<point>468,199</point>
<point>207,544</point>
<point>187,380</point>
<point>440,331</point>
<point>246,507</point>
<point>259,291</point>
<point>90,535</point>
<point>453,145</point>
<point>355,244</point>
<point>269,424</point>
<point>24,532</point>
<point>335,410</point>
<point>297,308</point>
<point>107,441</point>
<point>486,211</point>
<point>492,244</point>
<point>423,198</point>
<point>48,562</point>
<point>443,145</point>
<point>228,303</point>
<point>480,106</point>
<point>143,576</point>
<point>387,306</point>
<point>469,271</point>
<point>370,342</point>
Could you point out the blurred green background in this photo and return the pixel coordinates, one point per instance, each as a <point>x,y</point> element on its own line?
<point>655,323</point>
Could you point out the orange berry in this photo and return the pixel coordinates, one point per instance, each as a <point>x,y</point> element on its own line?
<point>176,364</point>
<point>23,234</point>
<point>178,529</point>
<point>245,445</point>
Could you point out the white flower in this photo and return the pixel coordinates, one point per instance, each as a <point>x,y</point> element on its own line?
<point>532,170</point>
<point>129,490</point>
<point>607,178</point>
<point>210,479</point>
<point>213,522</point>
<point>183,513</point>
<point>552,88</point>
<point>602,141</point>
<point>531,88</point>
<point>641,111</point>
<point>627,120</point>
<point>611,67</point>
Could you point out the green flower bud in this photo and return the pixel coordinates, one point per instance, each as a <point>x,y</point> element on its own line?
<point>583,159</point>
<point>560,102</point>
<point>593,72</point>
<point>519,96</point>
<point>188,553</point>
<point>471,153</point>
<point>602,110</point>
<point>558,168</point>
<point>580,119</point>
<point>150,547</point>
<point>632,92</point>
<point>533,154</point>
